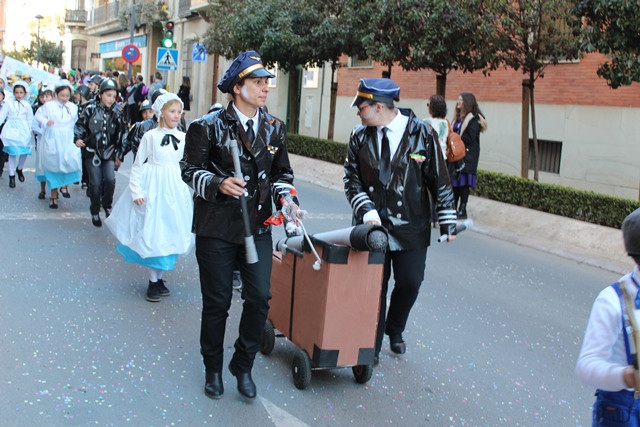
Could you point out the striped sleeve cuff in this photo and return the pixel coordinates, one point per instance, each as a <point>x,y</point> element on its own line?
<point>200,182</point>
<point>447,216</point>
<point>359,201</point>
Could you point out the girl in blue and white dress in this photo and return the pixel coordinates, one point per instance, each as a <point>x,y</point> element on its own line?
<point>44,95</point>
<point>16,114</point>
<point>152,218</point>
<point>61,158</point>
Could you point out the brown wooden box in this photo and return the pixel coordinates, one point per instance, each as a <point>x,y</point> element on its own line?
<point>332,313</point>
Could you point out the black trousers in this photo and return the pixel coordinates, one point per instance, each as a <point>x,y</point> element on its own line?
<point>216,260</point>
<point>102,183</point>
<point>408,273</point>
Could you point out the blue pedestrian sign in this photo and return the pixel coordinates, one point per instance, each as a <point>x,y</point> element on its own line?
<point>167,59</point>
<point>199,53</point>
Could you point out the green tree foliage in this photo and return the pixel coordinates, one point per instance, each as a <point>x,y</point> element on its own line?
<point>535,34</point>
<point>611,27</point>
<point>434,34</point>
<point>289,33</point>
<point>50,52</point>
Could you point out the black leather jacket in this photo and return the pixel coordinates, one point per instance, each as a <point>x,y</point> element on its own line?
<point>208,161</point>
<point>417,170</point>
<point>137,131</point>
<point>102,129</point>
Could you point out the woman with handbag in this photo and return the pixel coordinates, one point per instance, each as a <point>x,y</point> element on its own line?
<point>471,122</point>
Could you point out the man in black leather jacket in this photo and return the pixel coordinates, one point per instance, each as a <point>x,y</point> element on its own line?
<point>100,131</point>
<point>208,168</point>
<point>393,166</point>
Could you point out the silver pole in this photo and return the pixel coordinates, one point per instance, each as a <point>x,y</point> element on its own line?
<point>133,29</point>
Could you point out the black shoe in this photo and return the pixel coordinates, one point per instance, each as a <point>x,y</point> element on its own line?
<point>153,292</point>
<point>397,344</point>
<point>65,193</point>
<point>246,386</point>
<point>95,219</point>
<point>107,212</point>
<point>162,289</point>
<point>84,185</point>
<point>20,175</point>
<point>462,212</point>
<point>12,181</point>
<point>54,203</point>
<point>213,386</point>
<point>41,195</point>
<point>376,360</point>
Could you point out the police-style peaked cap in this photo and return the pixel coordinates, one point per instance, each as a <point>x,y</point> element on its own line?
<point>382,90</point>
<point>247,64</point>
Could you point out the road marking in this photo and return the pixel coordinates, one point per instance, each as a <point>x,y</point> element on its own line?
<point>280,417</point>
<point>39,216</point>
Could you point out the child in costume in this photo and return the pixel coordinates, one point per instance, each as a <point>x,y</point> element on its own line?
<point>608,358</point>
<point>61,160</point>
<point>152,218</point>
<point>17,115</point>
<point>100,131</point>
<point>44,95</point>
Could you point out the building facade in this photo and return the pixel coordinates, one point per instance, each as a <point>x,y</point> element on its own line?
<point>587,131</point>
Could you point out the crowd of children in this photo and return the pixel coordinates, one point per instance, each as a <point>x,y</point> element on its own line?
<point>79,134</point>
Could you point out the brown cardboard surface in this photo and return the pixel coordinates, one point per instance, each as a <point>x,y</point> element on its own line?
<point>281,287</point>
<point>335,309</point>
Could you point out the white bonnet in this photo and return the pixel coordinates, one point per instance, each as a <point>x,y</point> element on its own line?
<point>23,84</point>
<point>63,83</point>
<point>163,99</point>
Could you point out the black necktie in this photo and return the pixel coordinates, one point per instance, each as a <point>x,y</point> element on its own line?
<point>385,159</point>
<point>250,133</point>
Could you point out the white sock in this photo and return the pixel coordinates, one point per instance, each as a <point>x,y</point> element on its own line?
<point>21,161</point>
<point>153,275</point>
<point>12,165</point>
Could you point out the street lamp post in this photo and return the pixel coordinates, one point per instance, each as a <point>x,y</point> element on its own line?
<point>38,17</point>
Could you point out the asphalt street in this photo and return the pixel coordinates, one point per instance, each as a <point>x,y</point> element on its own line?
<point>492,340</point>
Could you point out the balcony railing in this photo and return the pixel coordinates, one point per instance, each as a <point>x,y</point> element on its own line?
<point>185,7</point>
<point>79,16</point>
<point>105,13</point>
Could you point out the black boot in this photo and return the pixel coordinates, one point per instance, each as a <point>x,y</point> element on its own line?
<point>20,175</point>
<point>12,182</point>
<point>153,292</point>
<point>462,212</point>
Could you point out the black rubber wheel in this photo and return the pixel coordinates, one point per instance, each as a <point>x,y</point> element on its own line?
<point>301,370</point>
<point>268,338</point>
<point>362,373</point>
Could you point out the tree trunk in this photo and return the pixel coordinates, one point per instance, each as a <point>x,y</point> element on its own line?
<point>536,156</point>
<point>441,84</point>
<point>294,101</point>
<point>332,105</point>
<point>524,134</point>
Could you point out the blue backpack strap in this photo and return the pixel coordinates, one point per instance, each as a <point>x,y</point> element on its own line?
<point>627,347</point>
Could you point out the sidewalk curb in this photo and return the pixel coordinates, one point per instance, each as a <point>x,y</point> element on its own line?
<point>586,243</point>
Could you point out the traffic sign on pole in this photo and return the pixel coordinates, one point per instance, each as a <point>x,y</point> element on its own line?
<point>130,53</point>
<point>199,53</point>
<point>167,59</point>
